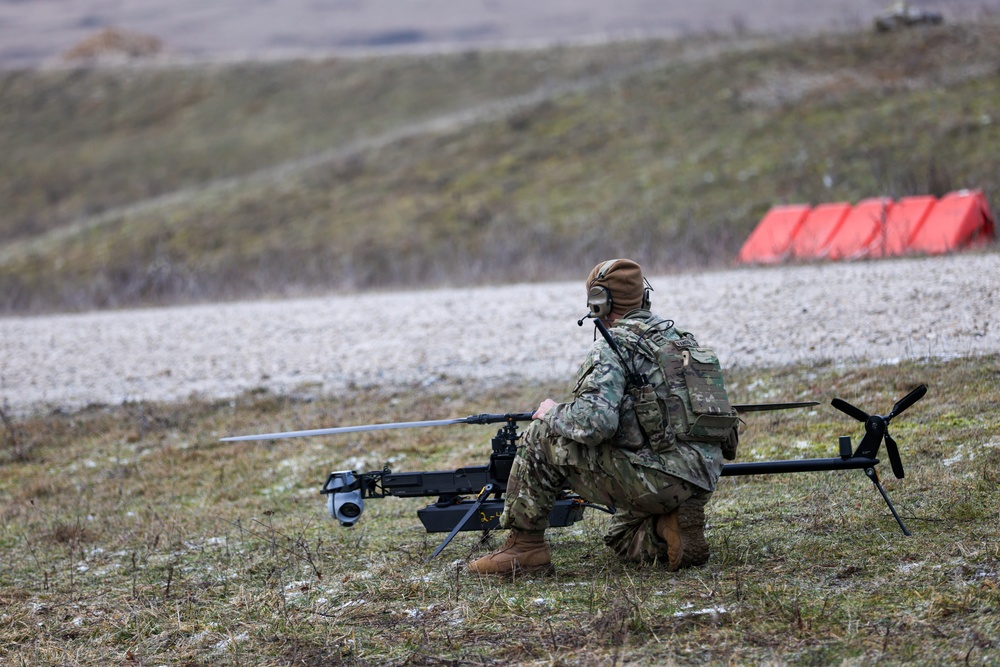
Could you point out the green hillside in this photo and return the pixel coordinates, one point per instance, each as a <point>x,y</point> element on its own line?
<point>142,186</point>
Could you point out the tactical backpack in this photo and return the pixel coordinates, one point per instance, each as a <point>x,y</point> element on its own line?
<point>684,395</point>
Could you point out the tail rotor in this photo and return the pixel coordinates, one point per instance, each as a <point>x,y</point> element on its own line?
<point>877,428</point>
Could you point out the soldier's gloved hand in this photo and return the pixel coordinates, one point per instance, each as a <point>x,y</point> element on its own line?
<point>543,408</point>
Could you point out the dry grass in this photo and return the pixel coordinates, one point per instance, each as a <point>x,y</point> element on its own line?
<point>130,535</point>
<point>664,151</point>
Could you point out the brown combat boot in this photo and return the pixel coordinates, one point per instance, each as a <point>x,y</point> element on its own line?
<point>684,532</point>
<point>521,552</point>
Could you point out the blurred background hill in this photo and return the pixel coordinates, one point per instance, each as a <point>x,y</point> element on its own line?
<point>182,172</point>
<point>39,31</point>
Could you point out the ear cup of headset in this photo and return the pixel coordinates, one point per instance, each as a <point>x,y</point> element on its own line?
<point>598,297</point>
<point>599,301</point>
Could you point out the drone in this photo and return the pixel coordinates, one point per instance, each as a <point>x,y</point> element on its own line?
<point>472,498</point>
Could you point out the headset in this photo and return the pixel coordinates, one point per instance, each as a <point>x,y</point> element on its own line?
<point>599,297</point>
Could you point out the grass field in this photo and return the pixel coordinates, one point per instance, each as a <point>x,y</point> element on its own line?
<point>130,535</point>
<point>144,186</point>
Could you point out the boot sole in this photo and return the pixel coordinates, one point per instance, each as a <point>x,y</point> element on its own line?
<point>691,520</point>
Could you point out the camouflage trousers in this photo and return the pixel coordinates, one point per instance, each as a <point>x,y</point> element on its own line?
<point>547,462</point>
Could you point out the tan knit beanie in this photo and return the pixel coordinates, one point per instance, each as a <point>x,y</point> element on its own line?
<point>623,278</point>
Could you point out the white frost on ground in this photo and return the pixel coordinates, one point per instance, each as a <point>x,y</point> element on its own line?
<point>849,312</point>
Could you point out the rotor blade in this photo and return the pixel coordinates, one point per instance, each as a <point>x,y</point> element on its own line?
<point>764,407</point>
<point>471,419</point>
<point>849,409</point>
<point>908,400</point>
<point>344,429</point>
<point>893,451</point>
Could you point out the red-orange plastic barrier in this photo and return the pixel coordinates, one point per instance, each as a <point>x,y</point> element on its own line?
<point>876,227</point>
<point>862,227</point>
<point>958,220</point>
<point>819,228</point>
<point>901,223</point>
<point>770,240</point>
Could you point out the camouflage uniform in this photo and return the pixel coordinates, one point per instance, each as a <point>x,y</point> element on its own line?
<point>593,445</point>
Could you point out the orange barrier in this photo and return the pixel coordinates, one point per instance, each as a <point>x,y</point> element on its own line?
<point>960,219</point>
<point>815,234</point>
<point>875,227</point>
<point>901,223</point>
<point>864,224</point>
<point>770,239</point>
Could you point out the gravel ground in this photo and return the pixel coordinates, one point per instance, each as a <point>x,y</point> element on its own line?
<point>32,32</point>
<point>880,311</point>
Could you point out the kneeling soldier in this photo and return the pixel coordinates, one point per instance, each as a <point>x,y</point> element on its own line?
<point>644,433</point>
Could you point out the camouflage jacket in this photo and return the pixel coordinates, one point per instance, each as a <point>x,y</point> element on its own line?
<point>600,417</point>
